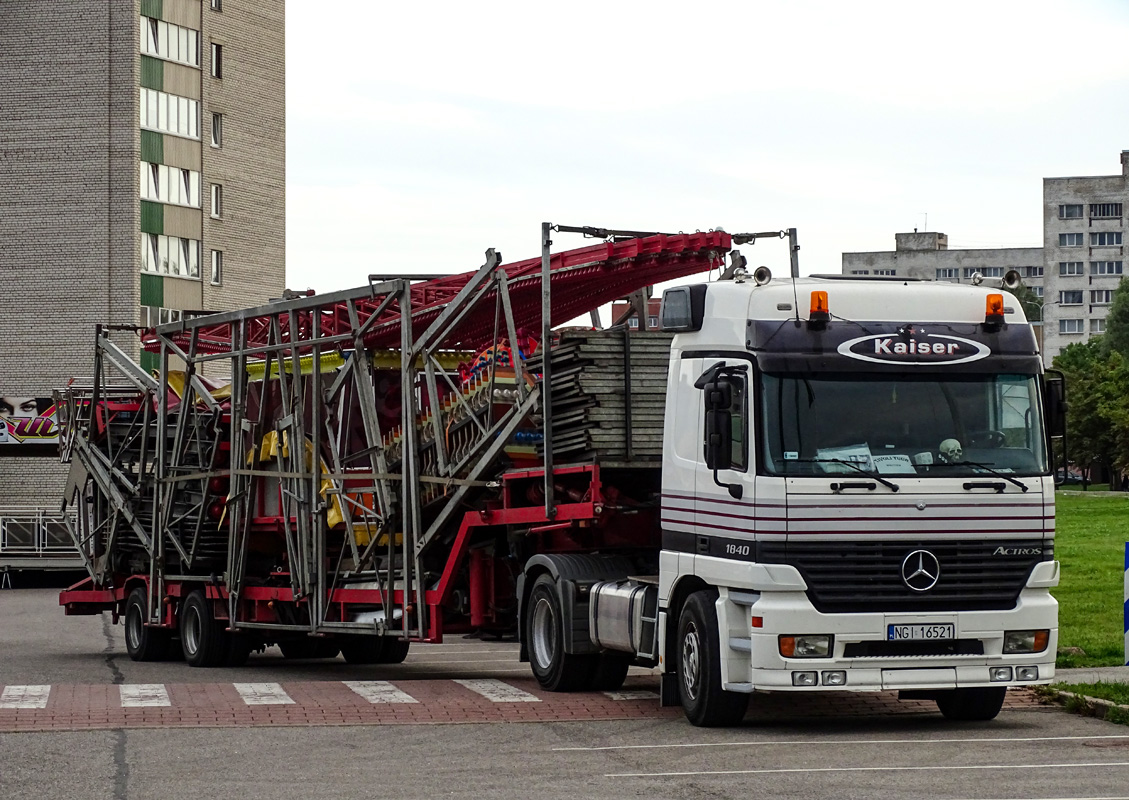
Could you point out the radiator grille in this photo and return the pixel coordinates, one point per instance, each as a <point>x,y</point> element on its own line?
<point>866,576</point>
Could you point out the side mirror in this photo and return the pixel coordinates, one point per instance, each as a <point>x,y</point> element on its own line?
<point>1054,401</point>
<point>719,439</point>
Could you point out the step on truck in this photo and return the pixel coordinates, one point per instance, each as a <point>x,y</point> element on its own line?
<point>796,485</point>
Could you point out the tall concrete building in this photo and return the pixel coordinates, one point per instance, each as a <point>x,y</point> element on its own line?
<point>142,176</point>
<point>1084,233</point>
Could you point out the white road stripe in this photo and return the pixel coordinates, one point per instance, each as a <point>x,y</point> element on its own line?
<point>380,692</point>
<point>497,692</point>
<point>1086,764</point>
<point>263,694</point>
<point>144,695</point>
<point>25,696</point>
<point>840,742</point>
<point>633,694</point>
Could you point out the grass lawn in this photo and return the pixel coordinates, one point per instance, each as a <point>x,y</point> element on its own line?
<point>1090,536</point>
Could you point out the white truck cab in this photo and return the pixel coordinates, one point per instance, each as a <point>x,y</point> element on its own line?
<point>857,494</point>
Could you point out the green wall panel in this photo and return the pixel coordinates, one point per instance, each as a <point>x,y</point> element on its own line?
<point>152,290</point>
<point>150,361</point>
<point>152,217</point>
<point>152,8</point>
<point>152,147</point>
<point>152,73</point>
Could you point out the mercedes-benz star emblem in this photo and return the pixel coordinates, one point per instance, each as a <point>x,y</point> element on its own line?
<point>920,570</point>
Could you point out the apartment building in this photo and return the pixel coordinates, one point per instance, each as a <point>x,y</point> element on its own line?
<point>1084,233</point>
<point>142,177</point>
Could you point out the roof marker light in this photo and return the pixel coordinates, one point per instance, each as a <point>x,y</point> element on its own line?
<point>994,309</point>
<point>820,311</point>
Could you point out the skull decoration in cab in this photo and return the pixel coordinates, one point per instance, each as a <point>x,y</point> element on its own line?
<point>950,451</point>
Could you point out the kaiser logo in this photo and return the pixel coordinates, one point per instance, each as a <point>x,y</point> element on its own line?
<point>913,346</point>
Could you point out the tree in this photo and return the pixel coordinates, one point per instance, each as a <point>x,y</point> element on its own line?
<point>1032,304</point>
<point>1096,408</point>
<point>1116,337</point>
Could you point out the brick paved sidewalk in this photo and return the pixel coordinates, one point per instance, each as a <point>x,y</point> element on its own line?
<point>307,703</point>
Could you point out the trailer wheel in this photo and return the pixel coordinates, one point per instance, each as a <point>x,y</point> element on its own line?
<point>309,648</point>
<point>395,651</point>
<point>202,637</point>
<point>141,642</point>
<point>362,649</point>
<point>553,668</point>
<point>239,647</point>
<point>699,666</point>
<point>611,671</point>
<point>972,705</point>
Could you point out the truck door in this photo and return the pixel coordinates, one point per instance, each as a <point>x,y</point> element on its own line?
<point>681,450</point>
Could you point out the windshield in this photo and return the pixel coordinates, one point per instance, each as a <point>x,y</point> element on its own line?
<point>902,424</point>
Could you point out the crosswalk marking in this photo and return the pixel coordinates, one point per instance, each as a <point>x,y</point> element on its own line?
<point>263,694</point>
<point>380,692</point>
<point>25,696</point>
<point>496,691</point>
<point>633,694</point>
<point>144,695</point>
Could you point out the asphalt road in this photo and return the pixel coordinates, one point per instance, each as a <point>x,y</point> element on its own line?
<point>784,749</point>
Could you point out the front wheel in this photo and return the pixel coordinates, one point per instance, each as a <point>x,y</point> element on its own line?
<point>706,704</point>
<point>554,669</point>
<point>972,705</point>
<point>142,642</point>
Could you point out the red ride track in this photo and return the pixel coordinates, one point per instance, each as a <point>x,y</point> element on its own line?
<point>582,280</point>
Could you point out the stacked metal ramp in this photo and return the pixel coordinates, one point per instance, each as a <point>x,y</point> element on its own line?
<point>609,395</point>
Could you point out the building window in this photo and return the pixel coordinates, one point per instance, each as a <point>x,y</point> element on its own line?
<point>1101,297</point>
<point>152,316</point>
<point>217,200</point>
<point>1105,210</point>
<point>1071,298</point>
<point>885,272</point>
<point>633,323</point>
<point>1070,240</point>
<point>217,130</point>
<point>1105,239</point>
<point>165,184</point>
<point>217,5</point>
<point>1070,268</point>
<point>217,60</point>
<point>948,274</point>
<point>1107,267</point>
<point>169,113</point>
<point>217,267</point>
<point>171,42</point>
<point>170,255</point>
<point>1097,326</point>
<point>1070,211</point>
<point>860,272</point>
<point>1032,272</point>
<point>1036,290</point>
<point>1070,326</point>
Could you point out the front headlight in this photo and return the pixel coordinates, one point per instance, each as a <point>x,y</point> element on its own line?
<point>1026,641</point>
<point>806,645</point>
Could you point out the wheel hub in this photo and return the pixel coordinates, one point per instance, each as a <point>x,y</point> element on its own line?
<point>691,661</point>
<point>544,644</point>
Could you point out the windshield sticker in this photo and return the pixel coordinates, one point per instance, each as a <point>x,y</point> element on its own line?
<point>917,349</point>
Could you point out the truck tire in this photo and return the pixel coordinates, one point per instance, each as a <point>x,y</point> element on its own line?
<point>706,704</point>
<point>142,642</point>
<point>202,637</point>
<point>239,647</point>
<point>395,651</point>
<point>611,671</point>
<point>374,650</point>
<point>972,705</point>
<point>554,669</point>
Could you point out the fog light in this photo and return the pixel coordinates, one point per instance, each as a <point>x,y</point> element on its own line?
<point>1027,673</point>
<point>1026,641</point>
<point>835,677</point>
<point>805,678</point>
<point>999,674</point>
<point>806,646</point>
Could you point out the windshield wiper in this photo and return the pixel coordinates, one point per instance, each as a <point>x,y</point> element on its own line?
<point>986,468</point>
<point>869,473</point>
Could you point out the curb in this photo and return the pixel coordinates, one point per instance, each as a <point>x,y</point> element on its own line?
<point>1085,705</point>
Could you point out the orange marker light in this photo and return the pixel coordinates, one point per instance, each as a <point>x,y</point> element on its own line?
<point>820,310</point>
<point>994,308</point>
<point>1042,639</point>
<point>787,646</point>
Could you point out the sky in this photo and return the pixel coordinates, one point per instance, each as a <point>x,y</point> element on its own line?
<point>420,134</point>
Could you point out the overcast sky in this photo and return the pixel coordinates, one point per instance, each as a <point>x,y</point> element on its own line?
<point>419,134</point>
